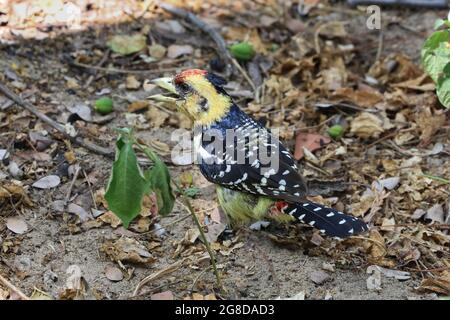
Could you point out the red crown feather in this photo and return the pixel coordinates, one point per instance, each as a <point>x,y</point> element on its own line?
<point>181,77</point>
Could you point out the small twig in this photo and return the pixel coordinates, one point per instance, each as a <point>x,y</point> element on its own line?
<point>198,278</point>
<point>90,189</point>
<point>430,270</point>
<point>222,50</point>
<point>28,106</point>
<point>244,74</point>
<point>115,70</point>
<point>169,224</point>
<point>12,287</point>
<point>159,287</point>
<point>72,183</point>
<point>158,274</point>
<point>205,242</point>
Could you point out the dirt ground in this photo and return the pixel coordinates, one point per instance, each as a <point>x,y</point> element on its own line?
<point>280,261</point>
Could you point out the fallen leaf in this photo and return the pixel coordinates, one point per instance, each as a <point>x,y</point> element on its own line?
<point>78,211</point>
<point>367,125</point>
<point>390,273</point>
<point>156,117</point>
<point>138,106</point>
<point>47,182</point>
<point>214,230</point>
<point>310,141</point>
<point>175,50</point>
<point>16,225</point>
<point>435,214</point>
<point>439,284</point>
<point>157,51</point>
<point>113,273</point>
<point>166,295</point>
<point>132,83</point>
<point>319,277</point>
<point>388,183</point>
<point>13,192</point>
<point>110,218</point>
<point>82,110</point>
<point>171,26</point>
<point>362,98</point>
<point>127,250</point>
<point>127,44</point>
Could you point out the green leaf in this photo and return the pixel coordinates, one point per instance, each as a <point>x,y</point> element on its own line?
<point>433,42</point>
<point>127,44</point>
<point>439,23</point>
<point>159,179</point>
<point>436,60</point>
<point>242,51</point>
<point>443,91</point>
<point>127,185</point>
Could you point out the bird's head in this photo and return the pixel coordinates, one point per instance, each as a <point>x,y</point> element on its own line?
<point>201,95</point>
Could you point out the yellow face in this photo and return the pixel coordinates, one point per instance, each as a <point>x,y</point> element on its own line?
<point>201,101</point>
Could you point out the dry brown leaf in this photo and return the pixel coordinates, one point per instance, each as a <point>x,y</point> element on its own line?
<point>440,285</point>
<point>13,192</point>
<point>363,98</point>
<point>378,248</point>
<point>310,141</point>
<point>127,250</point>
<point>138,105</point>
<point>367,125</point>
<point>132,83</point>
<point>175,51</point>
<point>156,117</point>
<point>110,218</point>
<point>429,123</point>
<point>113,273</point>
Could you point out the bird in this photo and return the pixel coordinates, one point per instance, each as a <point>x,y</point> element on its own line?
<point>255,175</point>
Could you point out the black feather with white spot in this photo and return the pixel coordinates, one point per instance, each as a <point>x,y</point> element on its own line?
<point>329,221</point>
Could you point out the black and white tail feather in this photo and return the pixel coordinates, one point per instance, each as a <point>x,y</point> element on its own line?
<point>328,221</point>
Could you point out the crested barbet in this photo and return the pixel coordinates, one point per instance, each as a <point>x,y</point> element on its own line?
<point>249,188</point>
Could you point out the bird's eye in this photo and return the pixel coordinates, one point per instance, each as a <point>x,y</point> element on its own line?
<point>184,88</point>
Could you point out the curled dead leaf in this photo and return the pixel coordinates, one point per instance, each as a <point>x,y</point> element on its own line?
<point>127,250</point>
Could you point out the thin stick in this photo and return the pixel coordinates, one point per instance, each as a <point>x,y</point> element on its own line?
<point>158,274</point>
<point>72,183</point>
<point>198,277</point>
<point>12,287</point>
<point>78,140</point>
<point>222,50</point>
<point>90,189</point>
<point>244,73</point>
<point>115,70</point>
